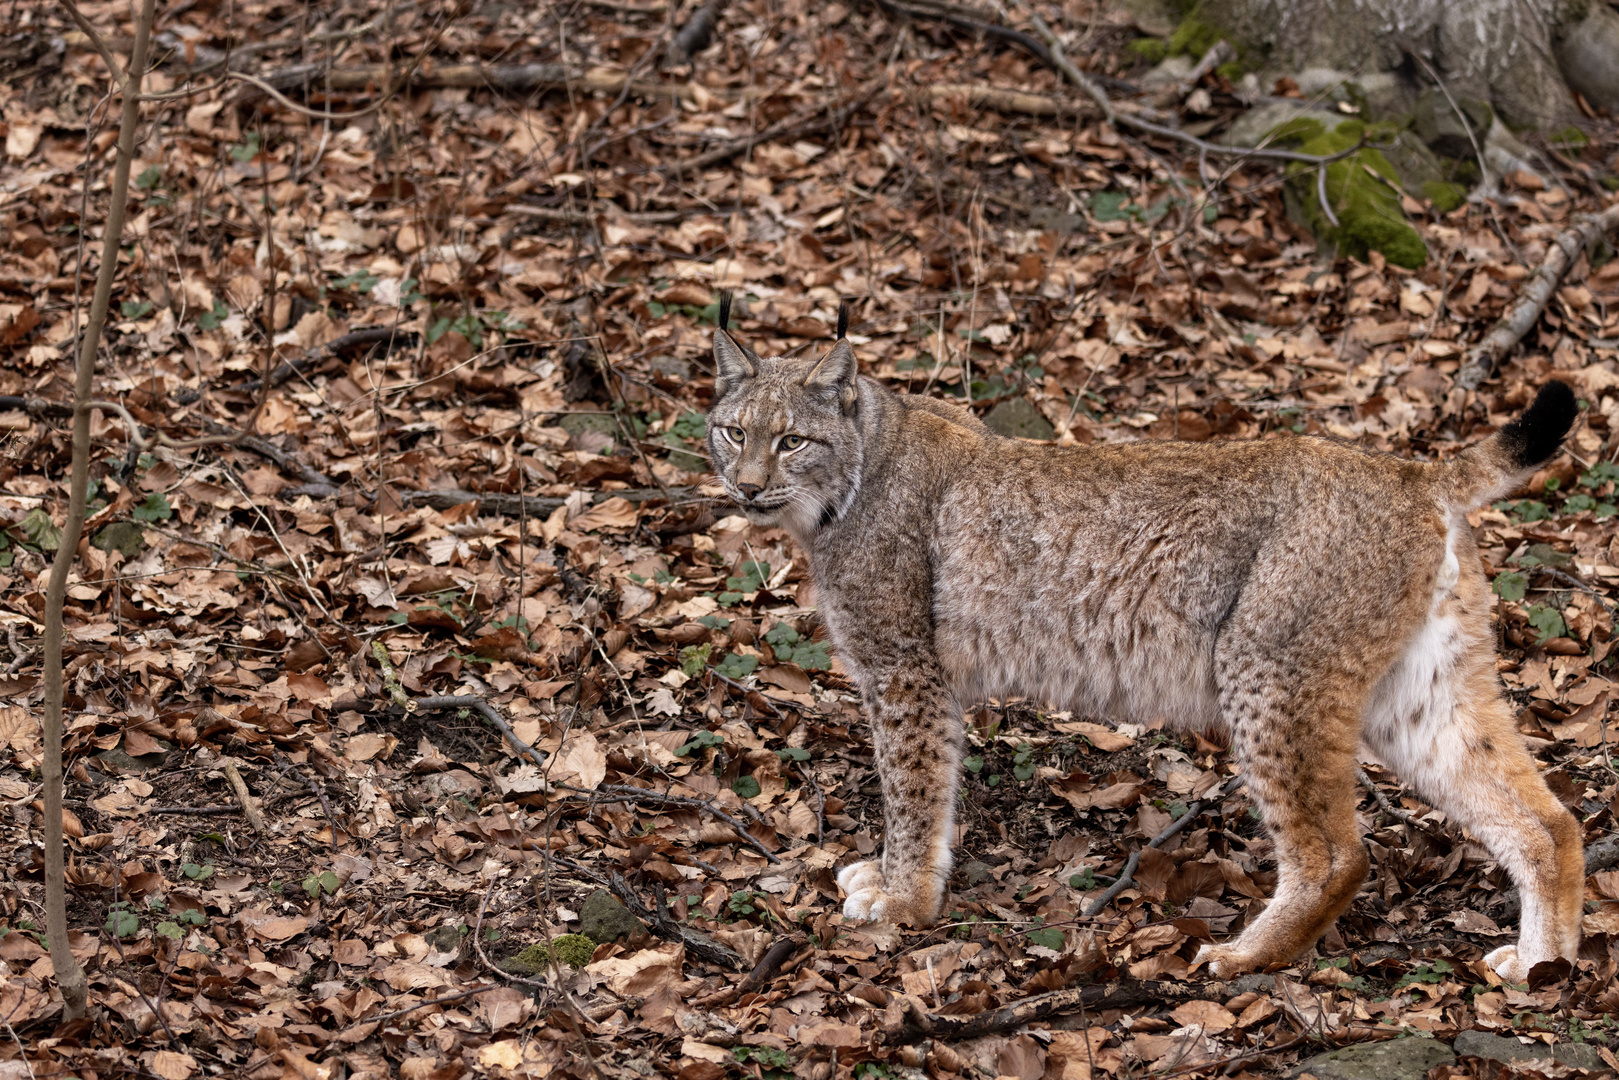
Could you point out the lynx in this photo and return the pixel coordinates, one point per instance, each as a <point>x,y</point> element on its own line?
<point>1305,596</point>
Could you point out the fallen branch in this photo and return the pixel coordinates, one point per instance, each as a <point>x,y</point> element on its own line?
<point>913,1025</point>
<point>1533,297</point>
<point>243,796</point>
<point>1388,807</point>
<point>600,793</point>
<point>502,78</point>
<point>699,944</point>
<point>824,117</point>
<point>389,337</point>
<point>501,505</point>
<point>1128,873</point>
<point>955,16</point>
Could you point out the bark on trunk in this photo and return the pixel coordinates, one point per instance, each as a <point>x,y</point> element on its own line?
<point>1522,56</point>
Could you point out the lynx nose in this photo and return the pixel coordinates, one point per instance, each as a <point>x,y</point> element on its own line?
<point>749,491</point>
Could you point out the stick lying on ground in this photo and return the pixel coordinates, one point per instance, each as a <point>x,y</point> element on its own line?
<point>1534,296</point>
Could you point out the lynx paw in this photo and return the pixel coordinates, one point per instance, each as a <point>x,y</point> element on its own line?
<point>869,901</point>
<point>1506,963</point>
<point>1224,961</point>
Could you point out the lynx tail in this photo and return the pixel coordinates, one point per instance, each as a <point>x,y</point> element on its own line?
<point>1500,463</point>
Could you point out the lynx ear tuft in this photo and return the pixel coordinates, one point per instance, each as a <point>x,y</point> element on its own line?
<point>836,374</point>
<point>843,319</point>
<point>732,363</point>
<point>725,310</point>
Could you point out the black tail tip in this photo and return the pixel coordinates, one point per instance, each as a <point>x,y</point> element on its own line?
<point>725,310</point>
<point>1538,433</point>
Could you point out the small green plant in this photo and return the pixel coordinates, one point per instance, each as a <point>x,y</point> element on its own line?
<point>789,646</point>
<point>197,872</point>
<point>1084,881</point>
<point>37,531</point>
<point>750,580</point>
<point>1548,621</point>
<point>155,508</point>
<point>1425,973</point>
<point>1510,585</point>
<point>973,764</point>
<point>734,666</point>
<point>745,902</point>
<point>121,922</point>
<point>324,882</point>
<point>1047,937</point>
<point>213,320</point>
<point>793,753</point>
<point>361,281</point>
<point>745,787</point>
<point>136,309</point>
<point>1023,762</point>
<point>872,1070</point>
<point>248,150</point>
<point>704,313</point>
<point>772,1063</point>
<point>700,741</point>
<point>1525,510</point>
<point>694,658</point>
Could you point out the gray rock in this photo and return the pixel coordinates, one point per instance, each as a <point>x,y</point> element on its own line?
<point>602,919</point>
<point>1252,126</point>
<point>590,429</point>
<point>1397,1059</point>
<point>116,761</point>
<point>1435,120</point>
<point>1018,419</point>
<point>122,536</point>
<point>673,368</point>
<point>975,872</point>
<point>1500,1048</point>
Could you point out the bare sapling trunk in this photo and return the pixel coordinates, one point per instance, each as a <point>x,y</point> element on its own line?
<point>69,975</point>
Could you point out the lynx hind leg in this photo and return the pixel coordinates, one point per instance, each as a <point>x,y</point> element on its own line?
<point>1296,748</point>
<point>1463,754</point>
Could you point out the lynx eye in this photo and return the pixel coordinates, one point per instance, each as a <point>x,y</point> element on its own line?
<point>735,434</point>
<point>791,442</point>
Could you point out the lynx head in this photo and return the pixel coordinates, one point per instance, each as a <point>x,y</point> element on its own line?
<point>782,432</point>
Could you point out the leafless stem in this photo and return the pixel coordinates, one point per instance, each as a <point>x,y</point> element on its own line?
<point>69,975</point>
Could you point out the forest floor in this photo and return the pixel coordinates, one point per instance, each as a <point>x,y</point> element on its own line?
<point>507,288</point>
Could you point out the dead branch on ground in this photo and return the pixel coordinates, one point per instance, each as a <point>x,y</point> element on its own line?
<point>912,1024</point>
<point>1534,296</point>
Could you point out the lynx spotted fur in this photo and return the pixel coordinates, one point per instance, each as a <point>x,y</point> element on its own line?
<point>1306,596</point>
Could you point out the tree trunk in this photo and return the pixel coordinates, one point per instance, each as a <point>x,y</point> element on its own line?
<point>1524,57</point>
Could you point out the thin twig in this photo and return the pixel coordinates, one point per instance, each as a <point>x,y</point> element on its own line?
<point>1390,809</point>
<point>1128,873</point>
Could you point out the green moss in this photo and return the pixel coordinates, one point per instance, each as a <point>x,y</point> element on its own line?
<point>1194,37</point>
<point>1445,197</point>
<point>1570,138</point>
<point>1153,50</point>
<point>575,950</point>
<point>1362,190</point>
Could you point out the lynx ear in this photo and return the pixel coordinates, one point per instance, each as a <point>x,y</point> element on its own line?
<point>835,375</point>
<point>732,364</point>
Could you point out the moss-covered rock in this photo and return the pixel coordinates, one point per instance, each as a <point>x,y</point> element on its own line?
<point>1362,190</point>
<point>1444,196</point>
<point>604,919</point>
<point>574,950</point>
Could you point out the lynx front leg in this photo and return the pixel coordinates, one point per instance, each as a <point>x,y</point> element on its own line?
<point>916,733</point>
